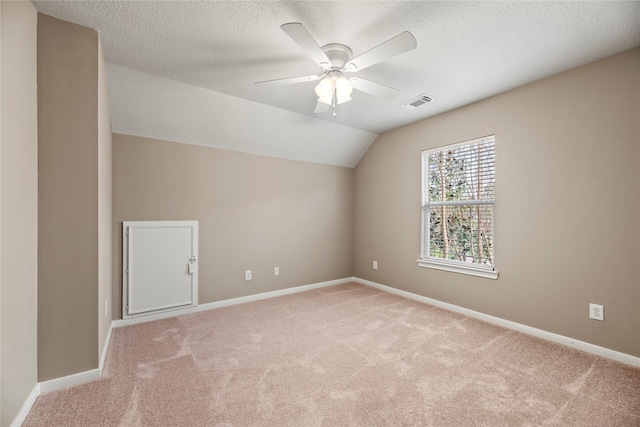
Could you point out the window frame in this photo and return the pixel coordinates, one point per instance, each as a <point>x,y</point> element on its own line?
<point>426,260</point>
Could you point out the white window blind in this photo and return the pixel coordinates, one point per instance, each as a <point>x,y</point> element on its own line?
<point>458,196</point>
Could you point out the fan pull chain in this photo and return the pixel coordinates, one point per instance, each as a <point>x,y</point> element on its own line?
<point>334,99</point>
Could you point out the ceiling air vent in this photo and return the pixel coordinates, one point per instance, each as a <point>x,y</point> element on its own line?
<point>418,101</point>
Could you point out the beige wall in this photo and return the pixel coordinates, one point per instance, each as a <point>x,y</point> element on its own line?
<point>255,213</point>
<point>567,203</point>
<point>104,204</point>
<point>68,198</point>
<point>19,215</point>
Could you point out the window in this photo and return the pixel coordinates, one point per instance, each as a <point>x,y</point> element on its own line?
<point>458,195</point>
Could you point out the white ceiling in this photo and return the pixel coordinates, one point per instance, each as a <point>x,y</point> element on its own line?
<point>184,71</point>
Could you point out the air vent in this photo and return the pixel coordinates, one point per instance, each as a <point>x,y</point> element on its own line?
<point>418,101</point>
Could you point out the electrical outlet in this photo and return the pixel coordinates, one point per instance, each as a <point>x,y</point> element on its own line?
<point>276,271</point>
<point>596,311</point>
<point>375,265</point>
<point>247,275</point>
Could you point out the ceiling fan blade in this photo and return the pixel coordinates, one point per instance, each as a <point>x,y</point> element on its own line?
<point>305,40</point>
<point>321,107</point>
<point>288,81</point>
<point>373,88</point>
<point>401,43</point>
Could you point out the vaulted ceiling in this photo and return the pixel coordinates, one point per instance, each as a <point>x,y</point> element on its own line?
<point>185,70</point>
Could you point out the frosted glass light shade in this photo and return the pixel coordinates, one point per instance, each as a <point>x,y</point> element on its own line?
<point>331,85</point>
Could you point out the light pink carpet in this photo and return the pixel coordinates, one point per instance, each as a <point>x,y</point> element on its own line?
<point>347,355</point>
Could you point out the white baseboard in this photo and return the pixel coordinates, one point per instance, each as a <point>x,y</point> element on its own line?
<point>69,380</point>
<point>228,302</point>
<point>58,383</point>
<point>560,339</point>
<point>105,348</point>
<point>26,406</point>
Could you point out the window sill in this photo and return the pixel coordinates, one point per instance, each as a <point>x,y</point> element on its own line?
<point>462,269</point>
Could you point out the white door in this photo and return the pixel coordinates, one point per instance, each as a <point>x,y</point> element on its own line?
<point>159,266</point>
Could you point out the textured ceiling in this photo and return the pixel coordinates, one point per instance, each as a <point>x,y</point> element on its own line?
<point>467,51</point>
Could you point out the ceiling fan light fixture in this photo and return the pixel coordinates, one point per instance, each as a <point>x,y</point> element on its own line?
<point>334,85</point>
<point>326,100</point>
<point>343,87</point>
<point>324,90</point>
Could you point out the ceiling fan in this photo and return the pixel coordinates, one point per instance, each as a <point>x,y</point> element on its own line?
<point>335,59</point>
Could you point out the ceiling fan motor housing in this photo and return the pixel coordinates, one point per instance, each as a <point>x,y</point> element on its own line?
<point>338,54</point>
